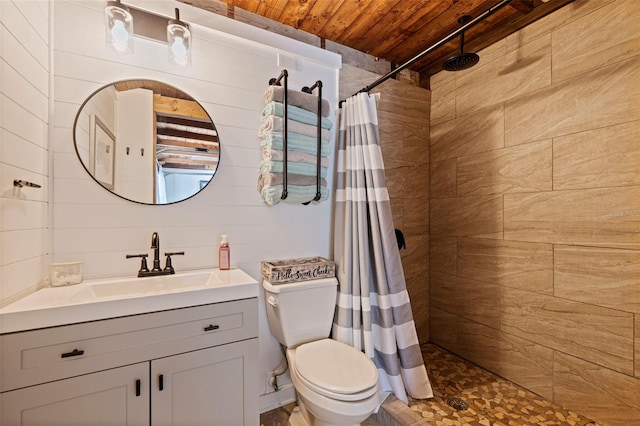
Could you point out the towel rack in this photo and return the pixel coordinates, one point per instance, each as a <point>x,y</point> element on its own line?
<point>318,85</point>
<point>283,77</point>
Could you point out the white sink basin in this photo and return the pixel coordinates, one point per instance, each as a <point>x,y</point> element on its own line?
<point>145,286</point>
<point>108,298</point>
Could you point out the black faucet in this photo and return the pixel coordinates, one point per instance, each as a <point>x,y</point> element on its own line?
<point>156,270</point>
<point>155,245</point>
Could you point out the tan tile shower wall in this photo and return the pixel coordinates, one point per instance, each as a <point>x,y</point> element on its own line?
<point>403,114</point>
<point>535,209</point>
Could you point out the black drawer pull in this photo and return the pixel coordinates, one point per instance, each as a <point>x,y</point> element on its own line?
<point>211,327</point>
<point>161,382</point>
<point>138,387</point>
<point>75,352</point>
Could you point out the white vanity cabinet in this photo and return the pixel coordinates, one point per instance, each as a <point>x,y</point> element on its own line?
<point>205,387</point>
<point>188,366</point>
<point>104,398</point>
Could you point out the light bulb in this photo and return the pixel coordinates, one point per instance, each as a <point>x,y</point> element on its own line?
<point>179,42</point>
<point>120,36</point>
<point>178,46</point>
<point>179,51</point>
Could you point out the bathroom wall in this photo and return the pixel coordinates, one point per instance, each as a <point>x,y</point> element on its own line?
<point>24,102</point>
<point>403,115</point>
<point>535,209</point>
<point>228,76</point>
<point>231,68</point>
<point>404,127</point>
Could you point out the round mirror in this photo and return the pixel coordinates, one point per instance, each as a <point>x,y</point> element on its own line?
<point>146,141</point>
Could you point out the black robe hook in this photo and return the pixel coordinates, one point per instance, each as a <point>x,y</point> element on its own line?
<point>400,239</point>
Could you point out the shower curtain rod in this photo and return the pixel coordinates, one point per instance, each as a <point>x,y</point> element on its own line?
<point>433,47</point>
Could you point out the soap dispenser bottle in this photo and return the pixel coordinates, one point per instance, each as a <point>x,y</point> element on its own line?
<point>224,253</point>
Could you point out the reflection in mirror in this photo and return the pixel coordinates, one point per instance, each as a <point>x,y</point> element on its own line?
<point>146,141</point>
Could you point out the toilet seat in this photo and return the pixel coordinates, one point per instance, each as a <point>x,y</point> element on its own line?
<point>335,370</point>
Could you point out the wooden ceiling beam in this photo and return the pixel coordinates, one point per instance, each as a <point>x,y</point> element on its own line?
<point>190,161</point>
<point>185,134</point>
<point>184,154</point>
<point>176,107</point>
<point>174,165</point>
<point>185,121</point>
<point>522,6</point>
<point>209,146</point>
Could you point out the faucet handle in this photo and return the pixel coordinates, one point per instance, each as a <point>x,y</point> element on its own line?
<point>143,262</point>
<point>168,266</point>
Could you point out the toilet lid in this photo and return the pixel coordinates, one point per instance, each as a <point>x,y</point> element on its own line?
<point>335,367</point>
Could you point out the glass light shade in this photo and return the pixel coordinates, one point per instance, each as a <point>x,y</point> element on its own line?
<point>118,24</point>
<point>179,42</point>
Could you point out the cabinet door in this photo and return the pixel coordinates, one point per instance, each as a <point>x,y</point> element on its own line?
<point>106,398</point>
<point>215,386</point>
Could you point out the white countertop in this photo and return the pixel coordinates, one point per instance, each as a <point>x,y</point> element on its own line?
<point>109,298</point>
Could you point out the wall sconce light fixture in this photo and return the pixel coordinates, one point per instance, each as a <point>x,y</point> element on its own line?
<point>118,24</point>
<point>173,32</point>
<point>179,41</point>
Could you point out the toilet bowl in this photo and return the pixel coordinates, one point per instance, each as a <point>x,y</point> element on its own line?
<point>336,384</point>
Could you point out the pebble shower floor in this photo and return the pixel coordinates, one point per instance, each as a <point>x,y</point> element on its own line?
<point>492,400</point>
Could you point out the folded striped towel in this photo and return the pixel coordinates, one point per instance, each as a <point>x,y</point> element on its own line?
<point>296,114</point>
<point>270,179</point>
<point>270,166</point>
<point>272,195</point>
<point>297,98</point>
<point>269,153</point>
<point>274,123</point>
<point>295,142</point>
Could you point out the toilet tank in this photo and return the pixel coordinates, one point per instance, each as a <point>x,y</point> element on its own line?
<point>300,312</point>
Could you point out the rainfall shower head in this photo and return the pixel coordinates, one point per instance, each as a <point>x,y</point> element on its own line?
<point>462,60</point>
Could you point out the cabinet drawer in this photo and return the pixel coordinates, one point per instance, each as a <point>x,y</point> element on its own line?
<point>39,356</point>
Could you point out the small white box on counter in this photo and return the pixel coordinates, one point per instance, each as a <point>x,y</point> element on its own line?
<point>65,273</point>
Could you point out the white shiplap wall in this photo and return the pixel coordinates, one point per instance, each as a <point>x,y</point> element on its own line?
<point>231,68</point>
<point>24,118</point>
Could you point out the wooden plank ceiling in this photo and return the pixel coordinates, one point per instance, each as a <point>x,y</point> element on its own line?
<point>397,30</point>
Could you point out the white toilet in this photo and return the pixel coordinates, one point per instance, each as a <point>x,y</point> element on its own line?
<point>336,384</point>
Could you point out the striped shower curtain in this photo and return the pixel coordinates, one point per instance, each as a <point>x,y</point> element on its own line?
<point>374,311</point>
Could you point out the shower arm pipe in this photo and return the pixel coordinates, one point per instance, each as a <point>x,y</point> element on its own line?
<point>438,44</point>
